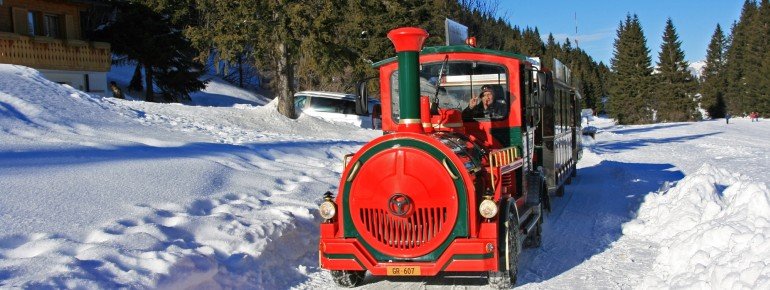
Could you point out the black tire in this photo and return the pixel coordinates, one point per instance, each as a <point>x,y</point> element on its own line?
<point>560,191</point>
<point>348,278</point>
<point>506,278</point>
<point>545,198</point>
<point>535,238</point>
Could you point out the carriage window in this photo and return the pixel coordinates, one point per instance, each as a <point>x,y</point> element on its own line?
<point>479,90</point>
<point>561,111</point>
<point>557,111</point>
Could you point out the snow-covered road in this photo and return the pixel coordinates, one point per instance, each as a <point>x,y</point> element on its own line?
<point>103,193</point>
<point>584,243</point>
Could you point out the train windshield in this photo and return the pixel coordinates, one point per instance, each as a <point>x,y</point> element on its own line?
<point>479,90</point>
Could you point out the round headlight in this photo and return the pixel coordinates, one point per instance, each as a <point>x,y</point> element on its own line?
<point>327,209</point>
<point>488,208</point>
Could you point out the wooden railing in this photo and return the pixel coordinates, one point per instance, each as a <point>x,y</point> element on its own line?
<point>55,54</point>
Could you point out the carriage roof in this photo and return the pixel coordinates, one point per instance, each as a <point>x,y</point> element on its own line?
<point>456,48</point>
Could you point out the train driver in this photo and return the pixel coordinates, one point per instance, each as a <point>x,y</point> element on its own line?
<point>484,105</point>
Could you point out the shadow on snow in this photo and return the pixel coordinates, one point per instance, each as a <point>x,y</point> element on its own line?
<point>274,257</point>
<point>648,129</point>
<point>89,155</point>
<point>583,223</point>
<point>219,100</point>
<point>620,146</point>
<point>588,219</point>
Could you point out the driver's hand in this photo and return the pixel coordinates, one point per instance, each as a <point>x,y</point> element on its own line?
<point>474,101</point>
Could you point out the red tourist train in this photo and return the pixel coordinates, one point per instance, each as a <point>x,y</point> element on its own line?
<point>475,142</point>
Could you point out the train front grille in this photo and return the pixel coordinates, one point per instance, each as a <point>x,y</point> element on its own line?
<point>412,232</point>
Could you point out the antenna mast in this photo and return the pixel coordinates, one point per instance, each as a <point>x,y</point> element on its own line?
<point>577,45</point>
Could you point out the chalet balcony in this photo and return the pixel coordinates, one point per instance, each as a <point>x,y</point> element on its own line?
<point>54,54</point>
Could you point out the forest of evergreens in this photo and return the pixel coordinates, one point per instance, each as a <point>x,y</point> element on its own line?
<point>303,45</point>
<point>330,44</point>
<point>734,80</point>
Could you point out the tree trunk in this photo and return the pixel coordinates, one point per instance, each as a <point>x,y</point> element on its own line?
<point>149,94</point>
<point>136,79</point>
<point>285,76</point>
<point>240,70</point>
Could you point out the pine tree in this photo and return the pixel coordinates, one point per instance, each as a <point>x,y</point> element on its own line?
<point>604,74</point>
<point>714,81</point>
<point>136,79</point>
<point>673,100</point>
<point>566,49</point>
<point>517,40</point>
<point>630,83</point>
<point>585,75</point>
<point>284,37</point>
<point>740,60</point>
<point>156,45</point>
<point>532,43</point>
<point>552,50</point>
<point>762,101</point>
<point>759,95</point>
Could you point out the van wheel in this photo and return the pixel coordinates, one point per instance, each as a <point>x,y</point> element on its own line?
<point>348,278</point>
<point>506,278</point>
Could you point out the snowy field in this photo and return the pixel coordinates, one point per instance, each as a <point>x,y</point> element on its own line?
<point>104,193</point>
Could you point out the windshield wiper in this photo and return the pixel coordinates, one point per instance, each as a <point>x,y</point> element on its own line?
<point>434,101</point>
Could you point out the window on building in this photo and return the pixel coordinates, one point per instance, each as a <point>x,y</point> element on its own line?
<point>51,23</point>
<point>85,18</point>
<point>31,23</point>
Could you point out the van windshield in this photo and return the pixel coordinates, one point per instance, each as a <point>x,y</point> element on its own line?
<point>332,105</point>
<point>461,88</point>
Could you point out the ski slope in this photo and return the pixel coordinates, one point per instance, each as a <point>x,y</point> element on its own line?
<point>105,193</point>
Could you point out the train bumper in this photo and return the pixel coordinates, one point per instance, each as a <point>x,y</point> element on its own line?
<point>462,255</point>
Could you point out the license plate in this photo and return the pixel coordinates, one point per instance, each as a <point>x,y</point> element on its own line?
<point>404,271</point>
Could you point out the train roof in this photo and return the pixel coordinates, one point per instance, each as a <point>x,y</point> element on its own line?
<point>456,48</point>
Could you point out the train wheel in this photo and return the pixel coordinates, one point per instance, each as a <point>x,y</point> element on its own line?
<point>560,191</point>
<point>348,278</point>
<point>535,238</point>
<point>506,278</point>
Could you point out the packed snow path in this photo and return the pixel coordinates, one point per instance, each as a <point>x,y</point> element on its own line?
<point>102,193</point>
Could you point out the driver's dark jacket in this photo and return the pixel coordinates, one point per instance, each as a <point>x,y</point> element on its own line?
<point>494,110</point>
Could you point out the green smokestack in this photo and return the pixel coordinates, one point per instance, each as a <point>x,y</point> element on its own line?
<point>408,42</point>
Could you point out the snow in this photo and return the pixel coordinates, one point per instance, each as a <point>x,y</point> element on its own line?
<point>218,93</point>
<point>107,193</point>
<point>711,214</point>
<point>696,68</point>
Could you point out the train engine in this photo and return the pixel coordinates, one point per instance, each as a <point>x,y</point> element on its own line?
<point>455,183</point>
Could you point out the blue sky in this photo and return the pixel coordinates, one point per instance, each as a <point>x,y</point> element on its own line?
<point>694,20</point>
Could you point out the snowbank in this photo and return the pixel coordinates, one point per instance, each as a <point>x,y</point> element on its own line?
<point>713,227</point>
<point>103,193</point>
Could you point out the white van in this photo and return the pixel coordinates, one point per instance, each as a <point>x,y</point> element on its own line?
<point>337,107</point>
